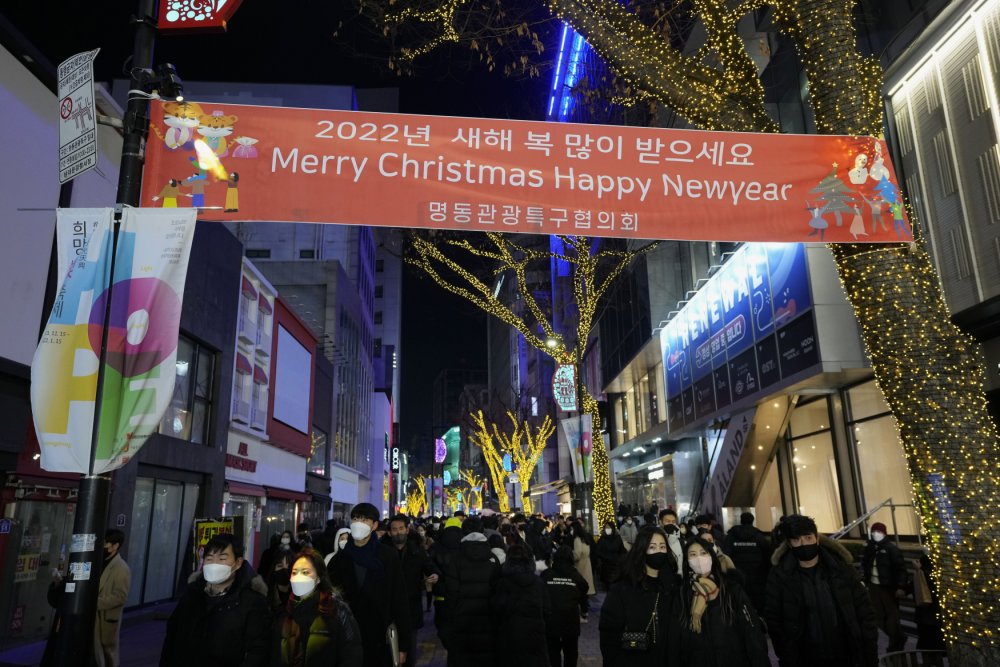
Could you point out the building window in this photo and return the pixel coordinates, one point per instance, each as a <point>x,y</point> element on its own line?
<point>379,265</point>
<point>187,416</point>
<point>258,253</point>
<point>815,470</point>
<point>319,454</point>
<point>307,254</point>
<point>378,291</point>
<point>378,317</point>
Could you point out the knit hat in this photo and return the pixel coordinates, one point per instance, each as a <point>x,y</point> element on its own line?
<point>879,527</point>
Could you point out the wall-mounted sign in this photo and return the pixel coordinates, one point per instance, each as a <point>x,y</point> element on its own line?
<point>440,450</point>
<point>187,16</point>
<point>749,327</point>
<point>564,387</point>
<point>395,459</point>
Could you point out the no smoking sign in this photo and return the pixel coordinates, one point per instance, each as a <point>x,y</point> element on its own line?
<point>66,108</point>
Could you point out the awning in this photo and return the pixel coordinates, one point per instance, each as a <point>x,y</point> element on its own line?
<point>285,494</point>
<point>264,304</point>
<point>248,288</point>
<point>547,487</point>
<point>243,364</point>
<point>243,489</point>
<point>259,376</point>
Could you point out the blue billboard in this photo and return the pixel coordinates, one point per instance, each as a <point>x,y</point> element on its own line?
<point>741,333</point>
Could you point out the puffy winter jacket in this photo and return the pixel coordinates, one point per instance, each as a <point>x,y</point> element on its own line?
<point>520,605</point>
<point>469,582</point>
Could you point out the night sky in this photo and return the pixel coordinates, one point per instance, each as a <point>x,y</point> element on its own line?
<point>293,42</point>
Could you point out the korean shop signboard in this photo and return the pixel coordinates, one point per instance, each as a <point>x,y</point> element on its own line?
<point>251,163</point>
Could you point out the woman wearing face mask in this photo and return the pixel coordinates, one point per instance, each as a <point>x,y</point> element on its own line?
<point>339,542</point>
<point>711,620</point>
<point>280,544</point>
<point>610,551</point>
<point>633,616</point>
<point>278,587</point>
<point>315,627</point>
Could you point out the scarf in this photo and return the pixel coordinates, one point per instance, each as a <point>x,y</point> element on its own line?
<point>295,639</point>
<point>366,558</point>
<point>705,590</point>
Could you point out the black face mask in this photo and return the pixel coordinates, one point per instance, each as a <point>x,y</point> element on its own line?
<point>399,539</point>
<point>281,577</point>
<point>670,528</point>
<point>805,552</point>
<point>656,561</point>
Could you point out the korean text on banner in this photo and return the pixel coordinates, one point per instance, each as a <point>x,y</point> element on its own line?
<point>150,271</point>
<point>348,167</point>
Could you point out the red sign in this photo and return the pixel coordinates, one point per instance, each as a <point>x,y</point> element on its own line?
<point>179,16</point>
<point>309,165</point>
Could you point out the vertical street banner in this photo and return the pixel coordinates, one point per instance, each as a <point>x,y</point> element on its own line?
<point>140,366</point>
<point>578,436</point>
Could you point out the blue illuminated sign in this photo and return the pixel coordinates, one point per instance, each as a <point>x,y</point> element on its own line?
<point>740,333</point>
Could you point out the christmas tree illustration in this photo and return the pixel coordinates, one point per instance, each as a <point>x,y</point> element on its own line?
<point>837,196</point>
<point>887,190</point>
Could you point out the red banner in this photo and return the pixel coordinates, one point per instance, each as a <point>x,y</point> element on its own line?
<point>247,163</point>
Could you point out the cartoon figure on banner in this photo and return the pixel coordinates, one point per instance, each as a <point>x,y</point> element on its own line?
<point>215,127</point>
<point>875,204</point>
<point>246,147</point>
<point>232,193</point>
<point>857,224</point>
<point>859,175</point>
<point>196,183</point>
<point>817,222</point>
<point>878,170</point>
<point>169,194</point>
<point>181,119</point>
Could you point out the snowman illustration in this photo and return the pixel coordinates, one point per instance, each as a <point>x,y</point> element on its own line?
<point>859,174</point>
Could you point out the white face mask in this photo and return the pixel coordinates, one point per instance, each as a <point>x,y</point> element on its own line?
<point>360,530</point>
<point>343,543</point>
<point>608,531</point>
<point>877,536</point>
<point>700,565</point>
<point>286,540</point>
<point>216,573</point>
<point>302,585</point>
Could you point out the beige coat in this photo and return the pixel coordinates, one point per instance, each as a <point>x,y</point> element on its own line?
<point>111,597</point>
<point>581,556</point>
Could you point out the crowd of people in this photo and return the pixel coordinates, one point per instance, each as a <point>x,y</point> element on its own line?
<point>516,590</point>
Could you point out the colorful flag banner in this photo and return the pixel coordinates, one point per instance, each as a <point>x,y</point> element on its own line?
<point>252,163</point>
<point>140,366</point>
<point>577,432</point>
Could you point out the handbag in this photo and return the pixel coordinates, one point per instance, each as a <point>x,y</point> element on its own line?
<point>640,641</point>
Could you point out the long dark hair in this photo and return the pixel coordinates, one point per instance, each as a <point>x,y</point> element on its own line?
<point>633,567</point>
<point>328,599</point>
<point>725,597</point>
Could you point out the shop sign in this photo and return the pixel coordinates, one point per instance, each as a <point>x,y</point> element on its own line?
<point>749,327</point>
<point>17,620</point>
<point>395,459</point>
<point>189,16</point>
<point>440,450</point>
<point>241,460</point>
<point>204,531</point>
<point>26,568</point>
<point>723,468</point>
<point>564,387</point>
<point>5,526</point>
<point>325,166</point>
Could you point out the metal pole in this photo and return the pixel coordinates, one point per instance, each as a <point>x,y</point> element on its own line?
<point>75,641</point>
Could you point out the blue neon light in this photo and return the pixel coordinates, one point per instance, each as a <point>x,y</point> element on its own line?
<point>567,73</point>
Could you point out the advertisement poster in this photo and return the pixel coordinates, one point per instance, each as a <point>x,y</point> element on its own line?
<point>204,531</point>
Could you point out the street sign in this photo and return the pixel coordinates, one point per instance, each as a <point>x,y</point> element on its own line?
<point>77,116</point>
<point>564,387</point>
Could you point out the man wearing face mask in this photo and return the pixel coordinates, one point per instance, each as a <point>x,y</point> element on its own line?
<point>885,576</point>
<point>816,608</point>
<point>669,524</point>
<point>418,572</point>
<point>222,617</point>
<point>371,577</point>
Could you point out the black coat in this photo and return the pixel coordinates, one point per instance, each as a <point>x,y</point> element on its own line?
<point>738,642</point>
<point>520,605</point>
<point>567,592</point>
<point>376,603</point>
<point>787,614</point>
<point>470,580</point>
<point>750,551</point>
<point>332,640</point>
<point>886,556</point>
<point>417,566</point>
<point>628,608</point>
<point>610,548</point>
<point>232,630</point>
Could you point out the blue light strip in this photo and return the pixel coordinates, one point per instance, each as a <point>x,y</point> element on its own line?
<point>567,74</point>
